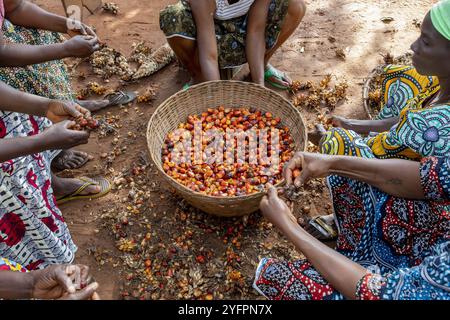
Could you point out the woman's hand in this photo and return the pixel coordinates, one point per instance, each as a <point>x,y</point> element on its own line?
<point>310,165</point>
<point>81,46</point>
<point>65,282</point>
<point>60,136</point>
<point>58,111</point>
<point>78,28</point>
<point>276,210</point>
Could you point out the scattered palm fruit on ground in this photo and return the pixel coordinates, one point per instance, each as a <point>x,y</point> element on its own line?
<point>93,88</point>
<point>111,7</point>
<point>230,178</point>
<point>148,96</point>
<point>108,62</point>
<point>340,53</point>
<point>140,52</point>
<point>293,194</point>
<point>83,123</point>
<point>310,95</point>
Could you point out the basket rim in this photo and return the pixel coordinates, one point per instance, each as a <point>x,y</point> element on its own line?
<point>365,91</point>
<point>209,83</point>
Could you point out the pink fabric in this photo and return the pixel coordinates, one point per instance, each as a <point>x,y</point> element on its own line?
<point>2,12</point>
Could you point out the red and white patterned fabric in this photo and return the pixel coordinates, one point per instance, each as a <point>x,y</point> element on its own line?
<point>32,230</point>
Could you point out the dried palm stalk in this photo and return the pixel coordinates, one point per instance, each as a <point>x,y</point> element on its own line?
<point>140,53</point>
<point>155,62</point>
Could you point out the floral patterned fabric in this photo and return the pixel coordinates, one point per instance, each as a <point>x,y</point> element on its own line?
<point>177,20</point>
<point>32,229</point>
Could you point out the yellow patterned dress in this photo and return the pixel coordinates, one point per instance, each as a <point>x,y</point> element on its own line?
<point>420,131</point>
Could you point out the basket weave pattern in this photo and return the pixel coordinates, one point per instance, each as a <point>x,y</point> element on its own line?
<point>230,94</point>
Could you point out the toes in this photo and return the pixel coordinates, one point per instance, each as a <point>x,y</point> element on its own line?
<point>81,154</point>
<point>79,160</point>
<point>92,190</point>
<point>70,164</point>
<point>287,79</point>
<point>279,81</point>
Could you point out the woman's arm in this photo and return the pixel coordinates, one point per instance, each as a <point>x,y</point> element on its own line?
<point>58,136</point>
<point>14,100</point>
<point>19,55</point>
<point>203,12</point>
<point>256,41</point>
<point>26,14</point>
<point>342,273</point>
<point>365,126</point>
<point>400,178</point>
<point>13,148</point>
<point>17,101</point>
<point>16,285</point>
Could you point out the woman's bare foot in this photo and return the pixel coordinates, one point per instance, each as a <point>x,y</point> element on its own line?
<point>93,105</point>
<point>70,159</point>
<point>341,122</point>
<point>317,135</point>
<point>64,187</point>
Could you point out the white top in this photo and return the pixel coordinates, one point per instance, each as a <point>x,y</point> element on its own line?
<point>226,11</point>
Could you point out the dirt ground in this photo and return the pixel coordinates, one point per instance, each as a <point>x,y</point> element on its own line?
<point>179,252</point>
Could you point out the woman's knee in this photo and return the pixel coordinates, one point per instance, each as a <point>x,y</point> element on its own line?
<point>297,9</point>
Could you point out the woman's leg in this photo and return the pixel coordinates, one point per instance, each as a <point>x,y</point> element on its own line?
<point>295,14</point>
<point>187,54</point>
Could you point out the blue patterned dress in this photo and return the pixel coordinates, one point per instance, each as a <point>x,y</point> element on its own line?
<point>405,244</point>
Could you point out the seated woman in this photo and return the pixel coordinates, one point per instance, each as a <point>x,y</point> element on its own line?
<point>397,254</point>
<point>208,35</point>
<point>414,121</point>
<point>59,282</point>
<point>31,49</point>
<point>32,229</point>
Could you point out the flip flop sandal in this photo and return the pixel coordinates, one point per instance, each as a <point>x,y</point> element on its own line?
<point>273,72</point>
<point>321,230</point>
<point>120,98</point>
<point>105,188</point>
<point>60,162</point>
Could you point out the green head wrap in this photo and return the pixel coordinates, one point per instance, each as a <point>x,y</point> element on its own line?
<point>440,16</point>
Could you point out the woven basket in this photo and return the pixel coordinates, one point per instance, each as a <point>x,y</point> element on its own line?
<point>371,112</point>
<point>230,94</point>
